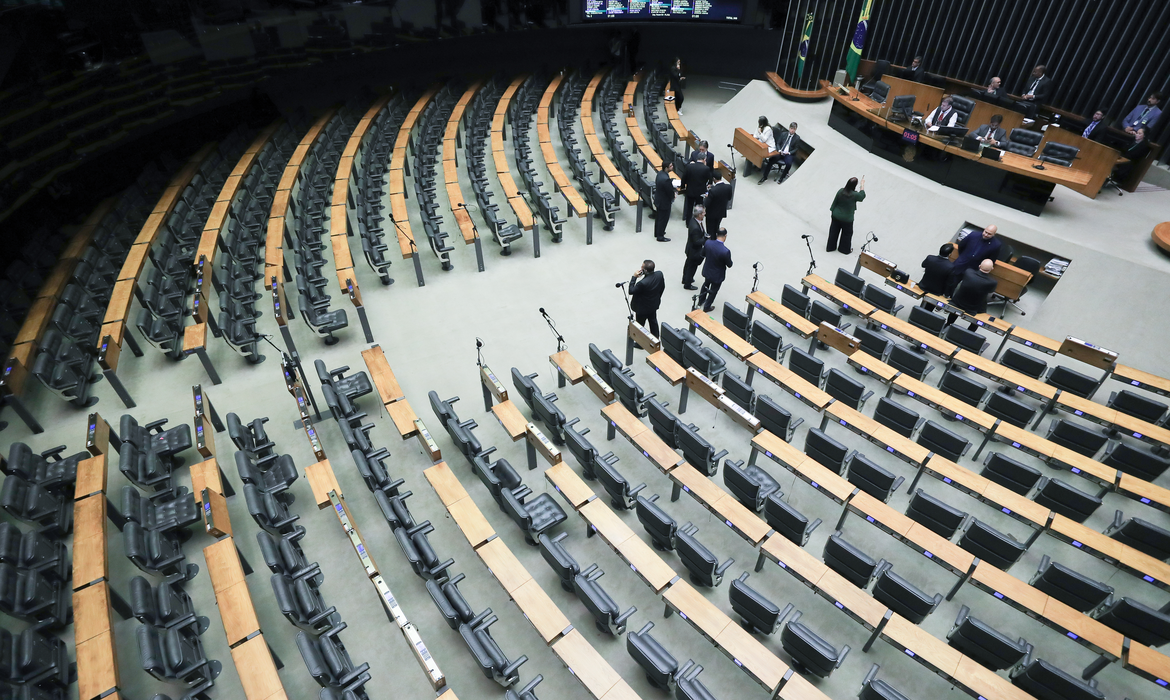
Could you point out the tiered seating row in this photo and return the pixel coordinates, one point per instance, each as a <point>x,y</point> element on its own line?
<point>499,155</point>
<point>561,182</point>
<point>608,169</point>
<point>451,145</point>
<point>398,172</point>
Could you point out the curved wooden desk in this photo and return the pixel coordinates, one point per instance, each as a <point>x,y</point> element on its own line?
<point>451,141</point>
<point>398,171</point>
<point>500,158</point>
<point>1161,235</point>
<point>792,93</point>
<point>596,150</point>
<point>561,182</point>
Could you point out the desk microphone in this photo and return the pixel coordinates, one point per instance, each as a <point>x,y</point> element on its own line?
<point>807,235</point>
<point>478,343</point>
<point>619,284</point>
<point>755,266</point>
<point>542,313</point>
<point>730,146</point>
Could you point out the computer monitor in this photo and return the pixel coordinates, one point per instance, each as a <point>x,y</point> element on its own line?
<point>902,108</point>
<point>950,133</point>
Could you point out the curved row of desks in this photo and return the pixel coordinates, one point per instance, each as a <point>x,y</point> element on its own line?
<point>649,155</point>
<point>500,156</point>
<point>18,364</point>
<point>561,182</point>
<point>451,144</point>
<point>597,152</point>
<point>399,169</point>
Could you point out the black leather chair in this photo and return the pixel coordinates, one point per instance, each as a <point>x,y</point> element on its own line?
<point>788,521</point>
<point>758,613</point>
<point>1131,460</point>
<point>247,439</point>
<point>444,410</point>
<point>1059,153</point>
<point>283,554</point>
<point>927,320</point>
<point>903,597</point>
<point>525,693</point>
<point>703,360</point>
<point>300,600</point>
<point>664,423</point>
<point>659,525</point>
<point>353,387</point>
<point>703,566</point>
<point>544,410</point>
<point>872,478</point>
<point>810,653</point>
<point>32,503</point>
<point>34,550</point>
<point>1128,402</point>
<point>657,663</point>
<point>1076,438</point>
<point>607,616</point>
<point>880,91</point>
<point>632,396</point>
<point>673,342</point>
<point>897,417</point>
<point>167,516</point>
<point>167,605</point>
<point>498,475</point>
<point>534,517</point>
<point>942,442</point>
<point>463,437</point>
<point>155,552</point>
<point>966,339</point>
<point>739,391</point>
<point>941,518</point>
<point>164,443</point>
<point>775,418</point>
<point>992,546</point>
<point>1141,535</point>
<point>269,511</point>
<point>582,449</point>
<point>794,299</point>
<point>874,688</point>
<point>1009,409</point>
<point>621,494</point>
<point>821,312</point>
<point>912,363</point>
<point>1138,621</point>
<point>735,319</point>
<point>559,559</point>
<point>527,387</point>
<point>963,388</point>
<point>1066,500</point>
<point>1007,472</point>
<point>768,341</point>
<point>849,282</point>
<point>855,565</point>
<point>696,450</point>
<point>30,596</point>
<point>491,659</point>
<point>371,467</point>
<point>984,643</point>
<point>846,390</point>
<point>1023,363</point>
<point>419,553</point>
<point>825,450</point>
<point>1070,587</point>
<point>144,468</point>
<point>1071,381</point>
<point>687,683</point>
<point>1044,681</point>
<point>883,300</point>
<point>329,663</point>
<point>176,653</point>
<point>751,485</point>
<point>47,468</point>
<point>1024,141</point>
<point>34,661</point>
<point>873,344</point>
<point>807,367</point>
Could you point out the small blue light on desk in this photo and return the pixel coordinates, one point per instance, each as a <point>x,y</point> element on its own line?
<point>1007,510</point>
<point>1138,436</point>
<point>869,518</point>
<point>1028,343</point>
<point>958,417</point>
<point>842,422</point>
<point>1135,382</point>
<point>890,450</point>
<point>815,485</point>
<point>1160,682</point>
<point>946,480</point>
<point>767,453</point>
<point>1145,500</point>
<point>1074,470</point>
<point>1077,544</point>
<point>1016,445</point>
<point>839,606</point>
<point>1078,413</point>
<point>997,594</point>
<point>1071,635</point>
<point>909,653</point>
<point>782,565</point>
<point>910,393</point>
<point>928,555</point>
<point>1149,579</point>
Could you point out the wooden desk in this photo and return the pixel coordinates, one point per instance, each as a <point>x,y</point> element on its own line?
<point>1143,565</point>
<point>445,483</point>
<point>382,376</point>
<point>586,664</point>
<point>511,420</point>
<point>239,617</point>
<point>791,320</point>
<point>623,421</point>
<point>541,611</point>
<point>121,298</point>
<point>646,563</point>
<point>403,416</point>
<point>914,334</point>
<point>894,443</point>
<point>789,381</point>
<point>752,656</point>
<point>37,319</point>
<point>657,451</point>
<point>697,610</point>
<point>1148,663</point>
<point>945,403</point>
<point>698,485</point>
<point>664,365</point>
<point>607,524</point>
<point>752,149</point>
<point>1008,377</point>
<point>1142,380</point>
<point>97,667</point>
<point>831,291</point>
<point>872,366</point>
<point>91,479</point>
<point>569,485</point>
<point>928,650</point>
<point>567,366</point>
<point>322,480</point>
<point>503,564</point>
<point>91,612</point>
<point>90,544</point>
<point>471,522</point>
<point>732,343</point>
<point>257,670</point>
<point>1036,341</point>
<point>223,565</point>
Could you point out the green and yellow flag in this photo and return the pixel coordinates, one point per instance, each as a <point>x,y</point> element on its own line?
<point>802,50</point>
<point>854,59</point>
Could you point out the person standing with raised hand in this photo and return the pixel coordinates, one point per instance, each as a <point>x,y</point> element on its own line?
<point>841,213</point>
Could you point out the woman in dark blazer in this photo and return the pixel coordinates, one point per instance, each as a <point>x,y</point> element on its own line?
<point>844,205</point>
<point>676,83</point>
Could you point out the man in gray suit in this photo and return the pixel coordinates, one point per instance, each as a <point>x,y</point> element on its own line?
<point>992,134</point>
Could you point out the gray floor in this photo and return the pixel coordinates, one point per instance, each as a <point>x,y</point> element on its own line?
<point>1113,294</point>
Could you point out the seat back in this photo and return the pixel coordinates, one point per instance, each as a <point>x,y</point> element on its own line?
<point>1070,587</point>
<point>1059,153</point>
<point>806,366</point>
<point>1137,621</point>
<point>991,545</point>
<point>963,388</point>
<point>1023,363</point>
<point>558,558</point>
<point>614,482</point>
<point>735,319</point>
<point>664,423</point>
<point>552,417</point>
<point>985,644</point>
<point>753,606</point>
<point>809,650</point>
<point>658,664</point>
<point>966,339</point>
<point>673,341</point>
<point>927,320</point>
<point>787,520</point>
<point>696,449</point>
<point>1133,461</point>
<point>527,388</point>
<point>874,344</point>
<point>844,388</point>
<point>880,298</point>
<point>766,340</point>
<point>1138,406</point>
<point>1144,536</point>
<point>773,417</point>
<point>658,524</point>
<point>880,91</point>
<point>905,360</point>
<point>739,391</point>
<point>903,597</point>
<point>1044,681</point>
<point>1024,141</point>
<point>1009,410</point>
<point>896,417</point>
<point>1072,381</point>
<point>849,561</point>
<point>938,516</point>
<point>872,478</point>
<point>962,105</point>
<point>1076,438</point>
<point>581,448</point>
<point>849,282</point>
<point>825,450</point>
<point>1067,500</point>
<point>795,299</point>
<point>820,313</point>
<point>1010,473</point>
<point>938,439</point>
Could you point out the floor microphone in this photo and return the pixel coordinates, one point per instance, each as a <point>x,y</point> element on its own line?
<point>807,235</point>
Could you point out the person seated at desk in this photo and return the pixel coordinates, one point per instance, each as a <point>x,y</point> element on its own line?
<point>975,287</point>
<point>701,154</point>
<point>1096,129</point>
<point>786,143</point>
<point>1143,115</point>
<point>914,71</point>
<point>992,93</point>
<point>1037,89</point>
<point>943,115</point>
<point>936,270</point>
<point>764,133</point>
<point>1140,148</point>
<point>992,134</point>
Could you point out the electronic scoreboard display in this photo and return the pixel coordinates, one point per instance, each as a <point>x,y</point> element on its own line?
<point>650,10</point>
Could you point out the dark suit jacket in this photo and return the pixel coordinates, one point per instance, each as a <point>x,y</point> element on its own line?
<point>973,290</point>
<point>718,260</point>
<point>918,74</point>
<point>1098,132</point>
<point>696,178</point>
<point>646,293</point>
<point>999,134</point>
<point>1136,151</point>
<point>1043,90</point>
<point>696,237</point>
<point>935,272</point>
<point>695,157</point>
<point>782,137</point>
<point>717,199</point>
<point>663,189</point>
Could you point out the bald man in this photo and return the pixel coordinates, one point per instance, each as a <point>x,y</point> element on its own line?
<point>975,287</point>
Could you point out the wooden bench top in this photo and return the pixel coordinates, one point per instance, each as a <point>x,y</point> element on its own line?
<point>791,320</point>
<point>382,376</point>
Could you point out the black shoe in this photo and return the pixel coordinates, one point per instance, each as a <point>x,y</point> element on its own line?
<point>708,309</point>
<point>662,240</point>
<point>690,287</point>
<point>847,252</point>
<point>762,180</point>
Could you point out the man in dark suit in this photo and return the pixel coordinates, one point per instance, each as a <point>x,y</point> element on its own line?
<point>694,185</point>
<point>696,238</point>
<point>1037,90</point>
<point>936,270</point>
<point>1096,129</point>
<point>702,155</point>
<point>975,287</point>
<point>646,295</point>
<point>914,71</point>
<point>663,201</point>
<point>718,259</point>
<point>716,203</point>
<point>993,93</point>
<point>992,134</point>
<point>786,144</point>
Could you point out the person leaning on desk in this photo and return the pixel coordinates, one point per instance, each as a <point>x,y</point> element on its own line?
<point>992,134</point>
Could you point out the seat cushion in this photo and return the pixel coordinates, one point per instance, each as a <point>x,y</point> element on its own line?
<point>545,512</point>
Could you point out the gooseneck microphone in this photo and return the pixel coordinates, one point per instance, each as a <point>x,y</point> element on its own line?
<point>807,236</point>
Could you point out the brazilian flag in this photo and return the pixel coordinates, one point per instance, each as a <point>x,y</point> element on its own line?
<point>854,59</point>
<point>802,50</point>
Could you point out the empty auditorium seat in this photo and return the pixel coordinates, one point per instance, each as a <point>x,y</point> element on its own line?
<point>759,613</point>
<point>1070,587</point>
<point>656,662</point>
<point>788,521</point>
<point>903,597</point>
<point>984,643</point>
<point>703,566</point>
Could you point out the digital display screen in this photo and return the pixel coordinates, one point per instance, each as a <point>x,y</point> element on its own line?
<point>640,10</point>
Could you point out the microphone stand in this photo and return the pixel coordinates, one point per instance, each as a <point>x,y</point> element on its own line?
<point>475,229</point>
<point>553,327</point>
<point>812,261</point>
<point>414,252</point>
<point>626,294</point>
<point>294,360</point>
<point>869,239</point>
<point>756,278</point>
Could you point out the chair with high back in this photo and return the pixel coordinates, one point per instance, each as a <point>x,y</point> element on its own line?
<point>849,561</point>
<point>985,644</point>
<point>632,396</point>
<point>1023,363</point>
<point>788,521</point>
<point>962,388</point>
<point>751,485</point>
<point>1137,621</point>
<point>703,566</point>
<point>735,320</point>
<point>607,616</point>
<point>848,391</point>
<point>1044,681</point>
<point>992,546</point>
<point>794,299</point>
<point>1070,587</point>
<point>897,417</point>
<point>943,442</point>
<point>1024,141</point>
<point>1075,437</point>
<point>768,341</point>
<point>1131,460</point>
<point>558,558</point>
<point>657,663</point>
<point>1009,473</point>
<point>687,683</point>
<point>166,605</point>
<point>873,344</point>
<point>905,360</point>
<point>535,516</point>
<point>1066,500</point>
<point>967,339</point>
<point>1071,381</point>
<point>810,653</point>
<point>329,663</point>
<point>874,688</point>
<point>176,653</point>
<point>1009,409</point>
<point>1059,153</point>
<point>903,597</point>
<point>1136,405</point>
<point>658,524</point>
<point>301,602</point>
<point>809,368</point>
<point>882,299</point>
<point>621,494</point>
<point>492,661</point>
<point>1140,534</point>
<point>757,612</point>
<point>927,320</point>
<point>696,450</point>
<point>825,450</point>
<point>775,418</point>
<point>739,391</point>
<point>939,517</point>
<point>872,478</point>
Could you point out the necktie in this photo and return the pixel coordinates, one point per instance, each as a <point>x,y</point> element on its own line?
<point>1032,90</point>
<point>1142,119</point>
<point>787,141</point>
<point>1089,129</point>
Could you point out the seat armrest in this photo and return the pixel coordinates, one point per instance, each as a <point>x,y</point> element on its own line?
<point>54,454</point>
<point>929,368</point>
<point>724,565</point>
<point>353,675</point>
<point>438,569</point>
<point>841,658</point>
<point>307,572</point>
<point>321,616</point>
<point>870,676</point>
<point>634,491</point>
<point>812,526</point>
<point>897,483</point>
<point>621,619</point>
<point>513,667</point>
<point>964,612</point>
<point>720,455</point>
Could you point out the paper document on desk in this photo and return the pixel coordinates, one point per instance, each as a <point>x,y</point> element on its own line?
<point>676,182</point>
<point>933,129</point>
